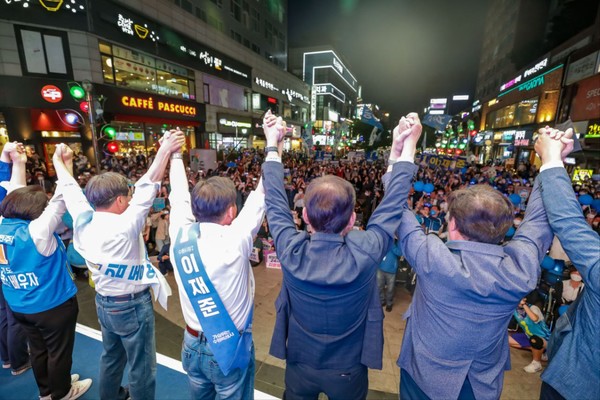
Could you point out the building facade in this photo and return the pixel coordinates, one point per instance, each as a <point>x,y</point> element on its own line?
<point>151,66</point>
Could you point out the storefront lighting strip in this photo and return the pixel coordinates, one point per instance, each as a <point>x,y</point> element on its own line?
<point>535,77</point>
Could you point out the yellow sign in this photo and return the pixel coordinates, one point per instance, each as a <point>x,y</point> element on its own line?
<point>141,31</point>
<point>593,131</point>
<point>580,175</point>
<point>51,5</point>
<point>147,103</point>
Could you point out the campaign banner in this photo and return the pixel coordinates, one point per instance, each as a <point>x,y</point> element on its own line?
<point>446,162</point>
<point>437,121</point>
<point>271,260</point>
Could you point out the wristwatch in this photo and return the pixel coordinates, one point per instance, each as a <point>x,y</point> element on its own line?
<point>271,148</point>
<point>177,155</point>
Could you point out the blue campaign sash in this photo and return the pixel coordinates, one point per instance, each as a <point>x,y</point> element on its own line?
<point>231,348</point>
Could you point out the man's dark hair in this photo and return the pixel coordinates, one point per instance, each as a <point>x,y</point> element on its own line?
<point>481,213</point>
<point>212,197</point>
<point>329,202</point>
<point>26,203</point>
<point>102,190</point>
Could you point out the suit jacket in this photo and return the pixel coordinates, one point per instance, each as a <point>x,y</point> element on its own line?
<point>328,312</point>
<point>464,299</point>
<point>573,351</point>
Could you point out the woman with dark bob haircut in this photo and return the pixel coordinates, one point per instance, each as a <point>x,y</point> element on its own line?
<point>38,284</point>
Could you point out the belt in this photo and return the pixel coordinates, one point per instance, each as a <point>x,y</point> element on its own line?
<point>125,297</point>
<point>199,335</point>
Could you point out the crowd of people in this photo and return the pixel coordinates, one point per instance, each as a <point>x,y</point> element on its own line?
<point>475,238</point>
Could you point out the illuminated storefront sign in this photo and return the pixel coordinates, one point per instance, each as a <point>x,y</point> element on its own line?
<point>238,124</point>
<point>329,89</point>
<point>528,72</point>
<point>52,94</point>
<point>593,130</point>
<point>532,83</point>
<point>148,103</point>
<point>523,137</point>
<point>290,93</point>
<point>116,22</point>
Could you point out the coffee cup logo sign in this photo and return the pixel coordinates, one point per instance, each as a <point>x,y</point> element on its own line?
<point>148,103</point>
<point>129,27</point>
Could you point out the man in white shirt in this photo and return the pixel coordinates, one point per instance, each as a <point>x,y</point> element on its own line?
<point>223,243</point>
<point>109,237</point>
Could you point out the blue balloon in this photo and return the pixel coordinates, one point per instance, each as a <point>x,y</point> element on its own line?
<point>74,257</point>
<point>563,309</point>
<point>511,232</point>
<point>586,199</point>
<point>596,204</point>
<point>515,199</point>
<point>418,186</point>
<point>548,263</point>
<point>428,188</point>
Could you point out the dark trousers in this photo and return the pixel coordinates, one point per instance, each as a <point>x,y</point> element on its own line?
<point>305,383</point>
<point>409,389</point>
<point>51,337</point>
<point>547,392</point>
<point>13,342</point>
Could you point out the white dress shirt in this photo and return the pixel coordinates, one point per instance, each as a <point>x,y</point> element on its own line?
<point>224,250</point>
<point>109,237</point>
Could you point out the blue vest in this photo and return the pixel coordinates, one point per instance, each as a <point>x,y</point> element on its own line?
<point>31,282</point>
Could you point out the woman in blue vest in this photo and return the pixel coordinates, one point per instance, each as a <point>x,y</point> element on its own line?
<point>38,285</point>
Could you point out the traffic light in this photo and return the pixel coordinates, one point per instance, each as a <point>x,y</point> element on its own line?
<point>112,147</point>
<point>84,106</point>
<point>76,91</point>
<point>109,131</point>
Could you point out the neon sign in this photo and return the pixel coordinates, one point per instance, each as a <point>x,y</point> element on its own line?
<point>129,27</point>
<point>235,124</point>
<point>147,103</point>
<point>290,93</point>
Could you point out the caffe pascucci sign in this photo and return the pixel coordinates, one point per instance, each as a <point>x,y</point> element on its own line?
<point>290,93</point>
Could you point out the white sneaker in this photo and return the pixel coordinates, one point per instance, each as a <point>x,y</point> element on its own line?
<point>535,366</point>
<point>78,389</point>
<point>74,378</point>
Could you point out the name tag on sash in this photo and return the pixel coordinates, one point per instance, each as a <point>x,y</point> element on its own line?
<point>231,348</point>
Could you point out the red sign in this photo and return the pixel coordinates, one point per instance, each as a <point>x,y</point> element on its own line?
<point>52,94</point>
<point>586,104</point>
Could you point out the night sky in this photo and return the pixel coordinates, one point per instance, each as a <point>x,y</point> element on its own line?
<point>402,52</point>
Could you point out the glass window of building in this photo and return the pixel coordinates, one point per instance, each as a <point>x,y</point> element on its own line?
<point>526,111</point>
<point>236,10</point>
<point>255,20</point>
<point>138,71</point>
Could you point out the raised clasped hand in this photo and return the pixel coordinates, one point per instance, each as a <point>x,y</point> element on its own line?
<point>173,140</point>
<point>274,127</point>
<point>553,144</point>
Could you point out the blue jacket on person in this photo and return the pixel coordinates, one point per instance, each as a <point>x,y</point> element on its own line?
<point>573,353</point>
<point>35,283</point>
<point>389,263</point>
<point>328,310</point>
<point>467,286</point>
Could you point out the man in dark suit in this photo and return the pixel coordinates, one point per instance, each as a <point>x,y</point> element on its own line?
<point>573,370</point>
<point>329,324</point>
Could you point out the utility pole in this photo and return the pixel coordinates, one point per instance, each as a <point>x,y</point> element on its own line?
<point>88,87</point>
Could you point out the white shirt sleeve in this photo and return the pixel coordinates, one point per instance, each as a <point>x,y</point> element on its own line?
<point>549,165</point>
<point>141,201</point>
<point>180,199</point>
<point>73,197</point>
<point>42,228</point>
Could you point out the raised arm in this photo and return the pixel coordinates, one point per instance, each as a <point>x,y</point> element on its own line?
<point>73,196</point>
<point>42,228</point>
<point>179,198</point>
<point>578,239</point>
<point>279,216</point>
<point>149,183</point>
<point>13,153</point>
